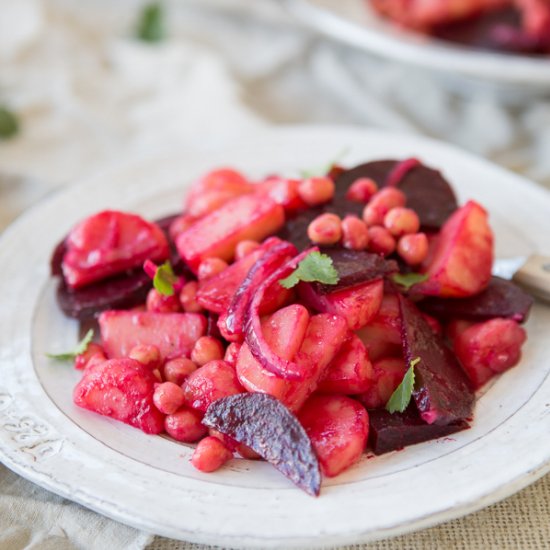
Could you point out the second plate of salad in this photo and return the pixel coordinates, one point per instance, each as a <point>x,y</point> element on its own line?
<point>466,66</point>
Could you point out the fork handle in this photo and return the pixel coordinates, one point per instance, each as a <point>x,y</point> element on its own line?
<point>534,276</point>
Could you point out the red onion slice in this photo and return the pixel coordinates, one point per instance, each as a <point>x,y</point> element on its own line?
<point>262,268</point>
<point>260,349</point>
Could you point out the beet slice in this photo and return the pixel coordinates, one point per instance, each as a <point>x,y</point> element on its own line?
<point>377,170</point>
<point>178,265</point>
<point>295,228</point>
<point>56,259</point>
<point>264,424</point>
<point>354,268</point>
<point>501,298</point>
<point>120,292</point>
<point>427,191</point>
<point>165,222</point>
<point>391,432</point>
<point>442,392</point>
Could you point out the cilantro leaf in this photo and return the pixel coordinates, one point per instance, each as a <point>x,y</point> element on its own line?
<point>80,348</point>
<point>315,267</point>
<point>401,397</point>
<point>325,168</point>
<point>9,125</point>
<point>165,279</point>
<point>151,26</point>
<point>408,280</point>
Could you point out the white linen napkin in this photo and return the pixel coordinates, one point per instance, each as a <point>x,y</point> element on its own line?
<point>33,519</point>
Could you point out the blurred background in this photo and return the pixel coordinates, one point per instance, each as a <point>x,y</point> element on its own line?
<point>87,83</point>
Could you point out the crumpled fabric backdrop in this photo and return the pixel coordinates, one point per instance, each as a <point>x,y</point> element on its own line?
<point>88,95</point>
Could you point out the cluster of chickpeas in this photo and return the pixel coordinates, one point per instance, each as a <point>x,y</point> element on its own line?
<point>208,355</point>
<point>182,422</point>
<point>386,225</point>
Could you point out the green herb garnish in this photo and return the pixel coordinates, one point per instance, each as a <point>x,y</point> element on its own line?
<point>401,397</point>
<point>408,280</point>
<point>323,170</point>
<point>315,267</point>
<point>165,279</point>
<point>9,124</point>
<point>81,347</point>
<point>151,27</point>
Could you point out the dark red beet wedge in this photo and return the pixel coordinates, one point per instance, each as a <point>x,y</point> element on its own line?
<point>295,228</point>
<point>355,267</point>
<point>121,292</point>
<point>442,393</point>
<point>57,259</point>
<point>265,425</point>
<point>391,432</point>
<point>178,265</point>
<point>165,222</point>
<point>427,191</point>
<point>500,299</point>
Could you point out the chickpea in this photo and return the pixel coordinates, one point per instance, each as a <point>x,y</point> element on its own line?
<point>178,369</point>
<point>362,190</point>
<point>381,241</point>
<point>325,229</point>
<point>315,191</point>
<point>381,203</point>
<point>355,234</point>
<point>168,397</point>
<point>413,248</point>
<point>401,221</point>
<point>188,297</point>
<point>210,267</point>
<point>206,349</point>
<point>244,248</point>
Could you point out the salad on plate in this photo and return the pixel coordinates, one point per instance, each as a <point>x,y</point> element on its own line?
<point>302,321</point>
<point>513,26</point>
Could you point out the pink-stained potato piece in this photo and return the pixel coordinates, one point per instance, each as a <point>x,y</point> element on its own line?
<point>463,257</point>
<point>338,427</point>
<point>217,234</point>
<point>174,334</point>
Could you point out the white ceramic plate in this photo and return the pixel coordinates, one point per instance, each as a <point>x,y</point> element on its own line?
<point>356,23</point>
<point>147,481</point>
